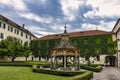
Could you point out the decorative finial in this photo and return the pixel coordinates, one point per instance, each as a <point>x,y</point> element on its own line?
<point>65,29</point>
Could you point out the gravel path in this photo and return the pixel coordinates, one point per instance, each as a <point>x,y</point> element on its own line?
<point>108,73</point>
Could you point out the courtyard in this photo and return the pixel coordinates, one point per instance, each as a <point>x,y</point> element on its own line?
<point>33,45</point>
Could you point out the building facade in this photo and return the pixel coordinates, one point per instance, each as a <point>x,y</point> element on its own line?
<point>116,36</point>
<point>89,43</point>
<point>10,28</point>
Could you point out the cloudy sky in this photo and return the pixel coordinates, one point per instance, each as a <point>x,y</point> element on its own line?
<point>43,17</point>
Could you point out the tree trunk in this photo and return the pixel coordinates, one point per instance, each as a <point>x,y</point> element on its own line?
<point>32,58</point>
<point>13,59</point>
<point>39,58</point>
<point>89,61</point>
<point>26,58</point>
<point>47,58</point>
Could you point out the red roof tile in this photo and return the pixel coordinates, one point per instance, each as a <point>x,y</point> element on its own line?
<point>76,34</point>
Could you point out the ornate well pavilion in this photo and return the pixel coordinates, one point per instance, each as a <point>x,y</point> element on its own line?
<point>65,50</point>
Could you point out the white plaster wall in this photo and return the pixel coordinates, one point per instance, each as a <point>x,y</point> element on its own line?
<point>8,33</point>
<point>93,59</point>
<point>116,27</point>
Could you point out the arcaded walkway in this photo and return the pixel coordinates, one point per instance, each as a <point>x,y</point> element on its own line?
<point>108,73</point>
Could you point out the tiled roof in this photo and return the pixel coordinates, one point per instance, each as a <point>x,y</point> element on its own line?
<point>76,34</point>
<point>8,21</point>
<point>65,44</point>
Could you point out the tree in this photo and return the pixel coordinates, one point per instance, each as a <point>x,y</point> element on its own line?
<point>26,50</point>
<point>34,47</point>
<point>3,47</point>
<point>14,48</point>
<point>112,48</point>
<point>11,47</point>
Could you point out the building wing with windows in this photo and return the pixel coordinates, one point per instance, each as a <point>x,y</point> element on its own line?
<point>10,28</point>
<point>116,36</point>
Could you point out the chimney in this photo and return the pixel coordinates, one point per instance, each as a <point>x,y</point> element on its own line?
<point>23,25</point>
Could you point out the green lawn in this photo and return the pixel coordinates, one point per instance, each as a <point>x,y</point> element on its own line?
<point>25,73</point>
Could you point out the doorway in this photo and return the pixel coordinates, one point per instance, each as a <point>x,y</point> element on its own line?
<point>110,60</point>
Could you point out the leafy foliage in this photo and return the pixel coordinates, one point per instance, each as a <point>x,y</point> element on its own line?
<point>26,49</point>
<point>42,48</point>
<point>12,48</point>
<point>88,46</point>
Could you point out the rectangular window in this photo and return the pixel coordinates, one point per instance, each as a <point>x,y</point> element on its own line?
<point>11,29</point>
<point>17,31</point>
<point>1,35</point>
<point>4,26</point>
<point>26,36</point>
<point>8,28</point>
<point>21,33</point>
<point>0,24</point>
<point>14,30</point>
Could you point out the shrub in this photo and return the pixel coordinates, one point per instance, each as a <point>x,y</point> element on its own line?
<point>76,75</point>
<point>85,76</point>
<point>56,72</point>
<point>95,65</point>
<point>16,64</point>
<point>91,68</point>
<point>34,68</point>
<point>25,63</point>
<point>46,65</point>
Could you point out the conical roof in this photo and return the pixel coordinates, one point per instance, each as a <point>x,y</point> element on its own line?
<point>65,42</point>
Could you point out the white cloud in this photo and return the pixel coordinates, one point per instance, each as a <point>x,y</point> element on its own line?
<point>36,28</point>
<point>88,26</point>
<point>70,8</point>
<point>106,26</point>
<point>103,8</point>
<point>57,28</point>
<point>32,16</point>
<point>43,33</point>
<point>39,30</point>
<point>17,4</point>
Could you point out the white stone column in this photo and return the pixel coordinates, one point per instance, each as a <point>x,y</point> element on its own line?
<point>64,61</point>
<point>78,62</point>
<point>75,62</point>
<point>54,63</point>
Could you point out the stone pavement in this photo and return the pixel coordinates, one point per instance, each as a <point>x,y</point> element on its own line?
<point>108,73</point>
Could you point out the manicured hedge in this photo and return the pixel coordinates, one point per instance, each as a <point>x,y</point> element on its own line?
<point>15,64</point>
<point>25,63</point>
<point>56,72</point>
<point>85,76</point>
<point>92,68</point>
<point>74,75</point>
